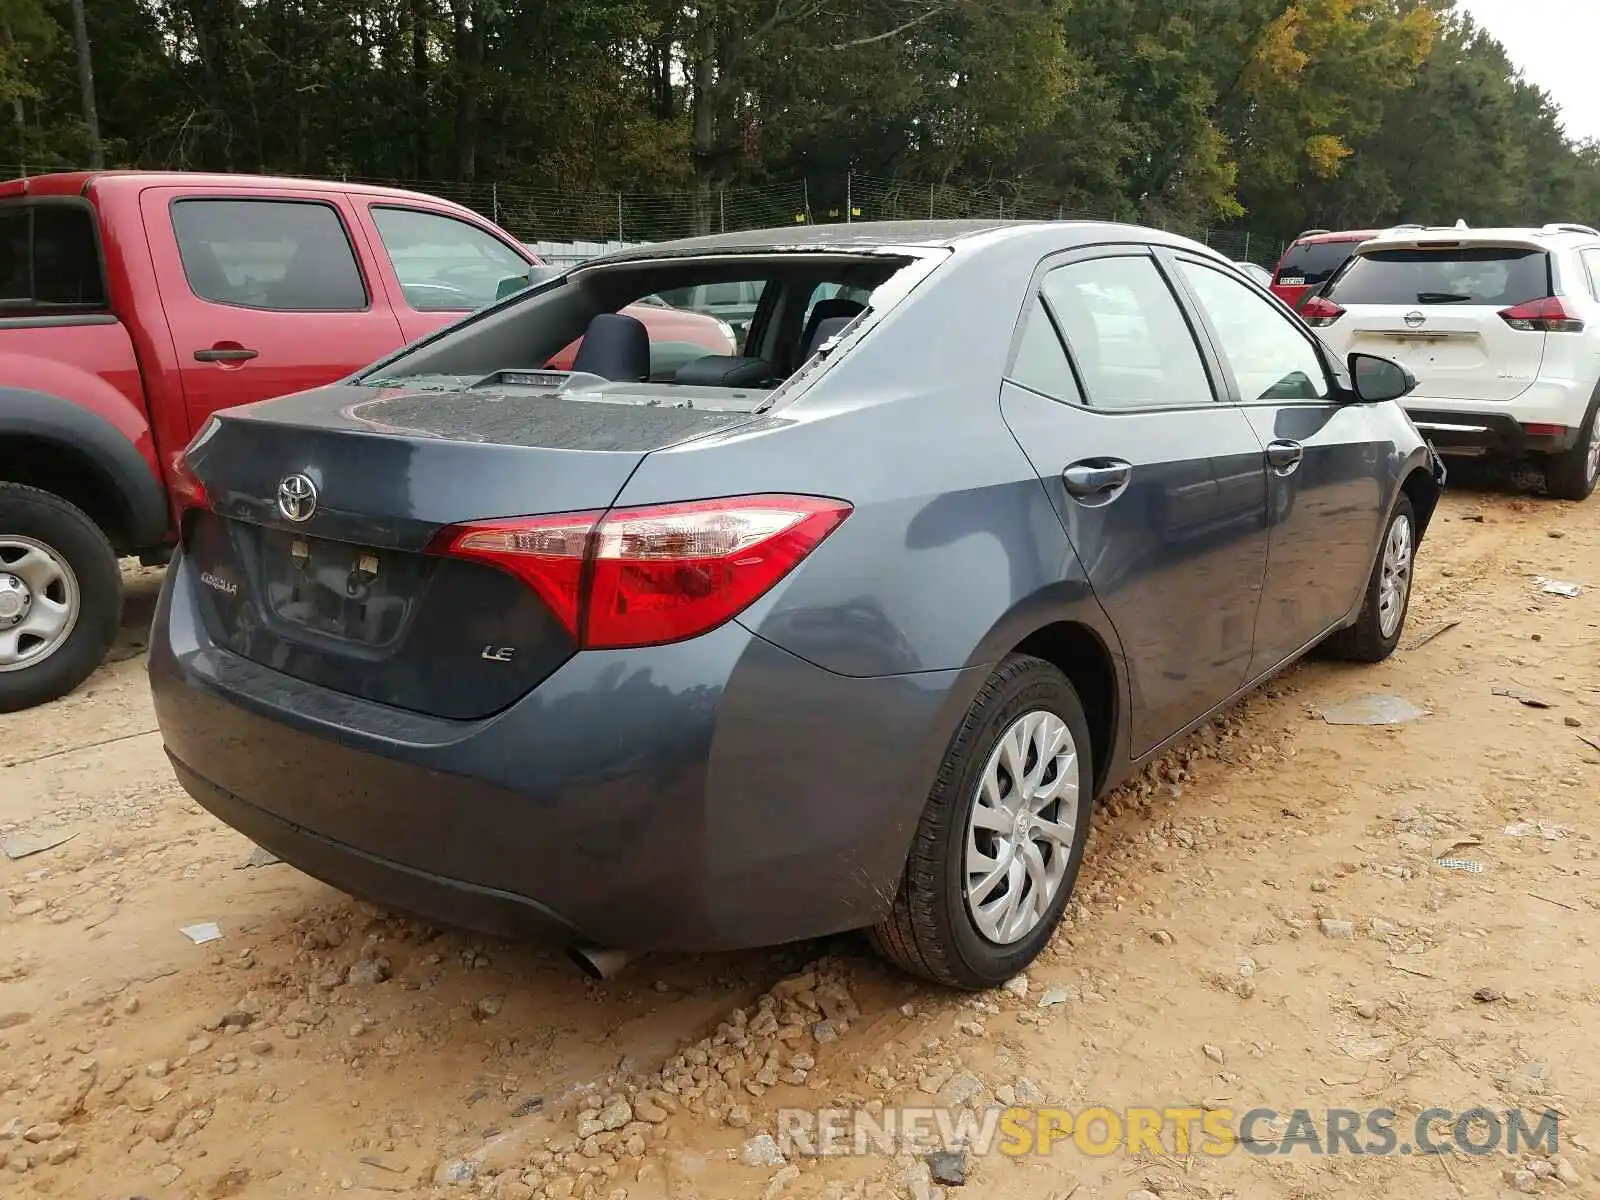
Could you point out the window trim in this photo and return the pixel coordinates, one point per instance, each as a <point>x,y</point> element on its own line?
<point>373,206</point>
<point>1210,365</point>
<point>232,198</point>
<point>1235,395</point>
<point>31,309</point>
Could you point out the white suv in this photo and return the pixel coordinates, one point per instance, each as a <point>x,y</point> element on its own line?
<point>1501,327</point>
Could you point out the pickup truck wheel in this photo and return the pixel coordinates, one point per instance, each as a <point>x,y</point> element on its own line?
<point>60,597</point>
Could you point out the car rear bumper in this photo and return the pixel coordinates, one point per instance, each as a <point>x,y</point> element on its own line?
<point>1466,432</point>
<point>709,795</point>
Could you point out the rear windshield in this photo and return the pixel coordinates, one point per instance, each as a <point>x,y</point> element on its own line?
<point>1313,262</point>
<point>1496,275</point>
<point>49,260</point>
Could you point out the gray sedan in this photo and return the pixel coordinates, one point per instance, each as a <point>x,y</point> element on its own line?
<point>845,632</point>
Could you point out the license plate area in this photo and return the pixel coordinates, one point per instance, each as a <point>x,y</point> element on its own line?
<point>353,593</point>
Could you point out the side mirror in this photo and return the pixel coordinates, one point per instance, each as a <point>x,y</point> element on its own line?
<point>1378,379</point>
<point>513,284</point>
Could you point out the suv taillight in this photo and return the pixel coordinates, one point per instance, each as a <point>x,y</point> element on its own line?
<point>652,575</point>
<point>1320,311</point>
<point>1542,316</point>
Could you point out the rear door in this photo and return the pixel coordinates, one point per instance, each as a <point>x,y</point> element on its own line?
<point>264,293</point>
<point>1161,488</point>
<point>1435,306</point>
<point>1324,468</point>
<point>438,265</point>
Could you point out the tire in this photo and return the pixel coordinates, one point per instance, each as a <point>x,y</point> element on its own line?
<point>78,572</point>
<point>1366,640</point>
<point>931,930</point>
<point>1571,475</point>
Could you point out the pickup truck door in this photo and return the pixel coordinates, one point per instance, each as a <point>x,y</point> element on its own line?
<point>437,264</point>
<point>266,291</point>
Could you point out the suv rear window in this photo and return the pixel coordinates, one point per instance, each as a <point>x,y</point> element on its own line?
<point>49,260</point>
<point>1501,276</point>
<point>1313,262</point>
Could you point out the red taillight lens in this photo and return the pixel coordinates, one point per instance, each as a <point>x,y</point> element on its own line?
<point>185,488</point>
<point>546,553</point>
<point>647,576</point>
<point>1542,316</point>
<point>1320,311</point>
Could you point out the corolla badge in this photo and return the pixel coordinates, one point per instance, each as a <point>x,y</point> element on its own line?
<point>297,497</point>
<point>1415,319</point>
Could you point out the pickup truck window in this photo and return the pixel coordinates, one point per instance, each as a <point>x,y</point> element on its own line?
<point>443,264</point>
<point>279,255</point>
<point>49,260</point>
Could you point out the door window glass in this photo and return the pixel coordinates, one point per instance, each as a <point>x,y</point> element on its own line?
<point>1271,359</point>
<point>445,264</point>
<point>1591,259</point>
<point>280,255</point>
<point>1130,341</point>
<point>49,259</point>
<point>1041,364</point>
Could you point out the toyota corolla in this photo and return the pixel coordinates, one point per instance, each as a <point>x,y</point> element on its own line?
<point>847,630</point>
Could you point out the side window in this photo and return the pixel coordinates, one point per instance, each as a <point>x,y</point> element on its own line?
<point>1271,359</point>
<point>1041,363</point>
<point>49,259</point>
<point>1591,259</point>
<point>279,255</point>
<point>444,264</point>
<point>1130,341</point>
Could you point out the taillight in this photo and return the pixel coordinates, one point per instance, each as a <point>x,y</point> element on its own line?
<point>185,488</point>
<point>1320,311</point>
<point>1542,316</point>
<point>647,576</point>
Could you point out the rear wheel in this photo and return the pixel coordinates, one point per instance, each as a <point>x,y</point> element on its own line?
<point>1571,475</point>
<point>997,851</point>
<point>1383,611</point>
<point>60,597</point>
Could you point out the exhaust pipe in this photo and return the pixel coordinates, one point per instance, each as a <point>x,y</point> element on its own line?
<point>599,962</point>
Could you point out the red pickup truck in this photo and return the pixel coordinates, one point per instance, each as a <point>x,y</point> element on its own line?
<point>135,304</point>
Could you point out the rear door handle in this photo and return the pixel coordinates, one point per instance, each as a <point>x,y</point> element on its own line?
<point>1285,456</point>
<point>1098,479</point>
<point>225,354</point>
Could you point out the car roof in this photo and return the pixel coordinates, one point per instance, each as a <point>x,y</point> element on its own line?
<point>77,183</point>
<point>865,237</point>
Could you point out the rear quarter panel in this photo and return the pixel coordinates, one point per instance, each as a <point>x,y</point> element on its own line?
<point>952,533</point>
<point>89,362</point>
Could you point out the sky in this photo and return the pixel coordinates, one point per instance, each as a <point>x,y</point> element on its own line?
<point>1554,42</point>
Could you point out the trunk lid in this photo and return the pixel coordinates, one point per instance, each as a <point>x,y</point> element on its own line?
<point>346,597</point>
<point>1436,308</point>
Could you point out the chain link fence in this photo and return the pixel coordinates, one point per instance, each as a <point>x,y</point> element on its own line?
<point>536,213</point>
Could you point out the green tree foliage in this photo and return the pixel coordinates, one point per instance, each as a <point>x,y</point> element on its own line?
<point>1272,113</point>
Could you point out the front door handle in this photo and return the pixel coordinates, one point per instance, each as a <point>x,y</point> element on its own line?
<point>225,354</point>
<point>1097,479</point>
<point>1285,456</point>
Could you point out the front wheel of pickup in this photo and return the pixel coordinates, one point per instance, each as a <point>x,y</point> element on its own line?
<point>1571,475</point>
<point>60,597</point>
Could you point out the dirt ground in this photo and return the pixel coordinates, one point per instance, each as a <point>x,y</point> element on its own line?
<point>1269,918</point>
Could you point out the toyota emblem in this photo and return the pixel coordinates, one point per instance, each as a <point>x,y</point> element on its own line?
<point>297,497</point>
<point>1414,319</point>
